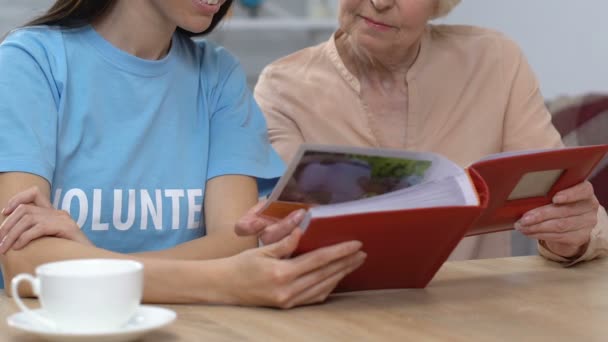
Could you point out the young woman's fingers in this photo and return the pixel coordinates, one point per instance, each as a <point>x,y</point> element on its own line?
<point>23,210</point>
<point>321,283</point>
<point>285,247</point>
<point>252,223</point>
<point>35,232</point>
<point>322,257</point>
<point>32,195</point>
<point>311,280</point>
<point>50,223</point>
<point>282,228</point>
<point>321,291</point>
<point>25,223</point>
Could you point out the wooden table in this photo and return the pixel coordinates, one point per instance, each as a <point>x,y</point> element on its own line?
<point>512,299</point>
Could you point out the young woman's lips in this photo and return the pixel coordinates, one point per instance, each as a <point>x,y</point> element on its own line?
<point>377,25</point>
<point>206,9</point>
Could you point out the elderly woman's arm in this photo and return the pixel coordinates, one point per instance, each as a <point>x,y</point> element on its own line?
<point>562,227</point>
<point>283,132</point>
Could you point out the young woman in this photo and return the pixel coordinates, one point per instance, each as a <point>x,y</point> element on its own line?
<point>121,134</point>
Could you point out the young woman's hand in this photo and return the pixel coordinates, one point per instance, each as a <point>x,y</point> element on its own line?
<point>261,277</point>
<point>268,230</point>
<point>565,226</point>
<point>29,216</point>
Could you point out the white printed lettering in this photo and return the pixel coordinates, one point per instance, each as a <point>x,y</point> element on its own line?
<point>96,224</point>
<point>194,208</point>
<point>144,208</point>
<point>118,223</point>
<point>57,198</point>
<point>175,195</point>
<point>154,209</point>
<point>83,204</point>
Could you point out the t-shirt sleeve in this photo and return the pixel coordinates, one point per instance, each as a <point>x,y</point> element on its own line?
<point>239,142</point>
<point>28,108</point>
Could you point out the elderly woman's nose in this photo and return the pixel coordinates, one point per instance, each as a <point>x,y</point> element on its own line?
<point>381,5</point>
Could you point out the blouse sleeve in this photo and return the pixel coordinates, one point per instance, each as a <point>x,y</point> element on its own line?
<point>527,120</point>
<point>284,133</point>
<point>528,126</point>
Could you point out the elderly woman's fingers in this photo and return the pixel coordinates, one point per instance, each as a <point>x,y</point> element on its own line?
<point>553,212</point>
<point>565,244</point>
<point>566,250</point>
<point>561,225</point>
<point>579,192</point>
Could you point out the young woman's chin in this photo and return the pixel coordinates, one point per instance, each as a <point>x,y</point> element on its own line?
<point>196,26</point>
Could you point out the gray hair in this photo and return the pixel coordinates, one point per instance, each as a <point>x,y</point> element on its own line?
<point>444,7</point>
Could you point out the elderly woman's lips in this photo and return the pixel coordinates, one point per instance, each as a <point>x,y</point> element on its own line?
<point>376,24</point>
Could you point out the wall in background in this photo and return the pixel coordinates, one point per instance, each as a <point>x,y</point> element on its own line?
<point>16,12</point>
<point>566,41</point>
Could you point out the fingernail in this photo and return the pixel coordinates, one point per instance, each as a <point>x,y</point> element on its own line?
<point>2,212</point>
<point>522,228</point>
<point>299,215</point>
<point>517,225</point>
<point>528,218</point>
<point>559,198</point>
<point>258,224</point>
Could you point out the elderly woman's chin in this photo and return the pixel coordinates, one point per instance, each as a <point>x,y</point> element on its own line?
<point>371,45</point>
<point>382,44</point>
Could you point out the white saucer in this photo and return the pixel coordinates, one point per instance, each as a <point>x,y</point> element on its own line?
<point>146,319</point>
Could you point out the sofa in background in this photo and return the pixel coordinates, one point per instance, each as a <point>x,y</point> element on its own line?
<point>583,120</point>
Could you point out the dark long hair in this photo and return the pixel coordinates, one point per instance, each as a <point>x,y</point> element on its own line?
<point>77,13</point>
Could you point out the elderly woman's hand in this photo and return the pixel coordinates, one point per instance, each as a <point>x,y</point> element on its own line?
<point>565,226</point>
<point>29,216</point>
<point>268,230</point>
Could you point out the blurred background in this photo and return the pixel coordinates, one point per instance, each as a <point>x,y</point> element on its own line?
<point>565,42</point>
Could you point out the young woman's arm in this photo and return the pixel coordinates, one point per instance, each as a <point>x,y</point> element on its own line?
<point>227,199</point>
<point>256,277</point>
<point>259,277</point>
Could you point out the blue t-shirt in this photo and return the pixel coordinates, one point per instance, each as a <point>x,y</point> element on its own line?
<point>128,144</point>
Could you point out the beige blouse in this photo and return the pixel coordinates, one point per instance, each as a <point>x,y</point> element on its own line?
<point>470,93</point>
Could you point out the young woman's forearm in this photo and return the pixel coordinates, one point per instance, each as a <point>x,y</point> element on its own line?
<point>166,281</point>
<point>222,212</point>
<point>215,246</point>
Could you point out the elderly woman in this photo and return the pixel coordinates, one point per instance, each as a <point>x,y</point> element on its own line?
<point>388,78</point>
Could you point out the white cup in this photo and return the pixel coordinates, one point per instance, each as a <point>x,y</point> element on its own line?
<point>84,295</point>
